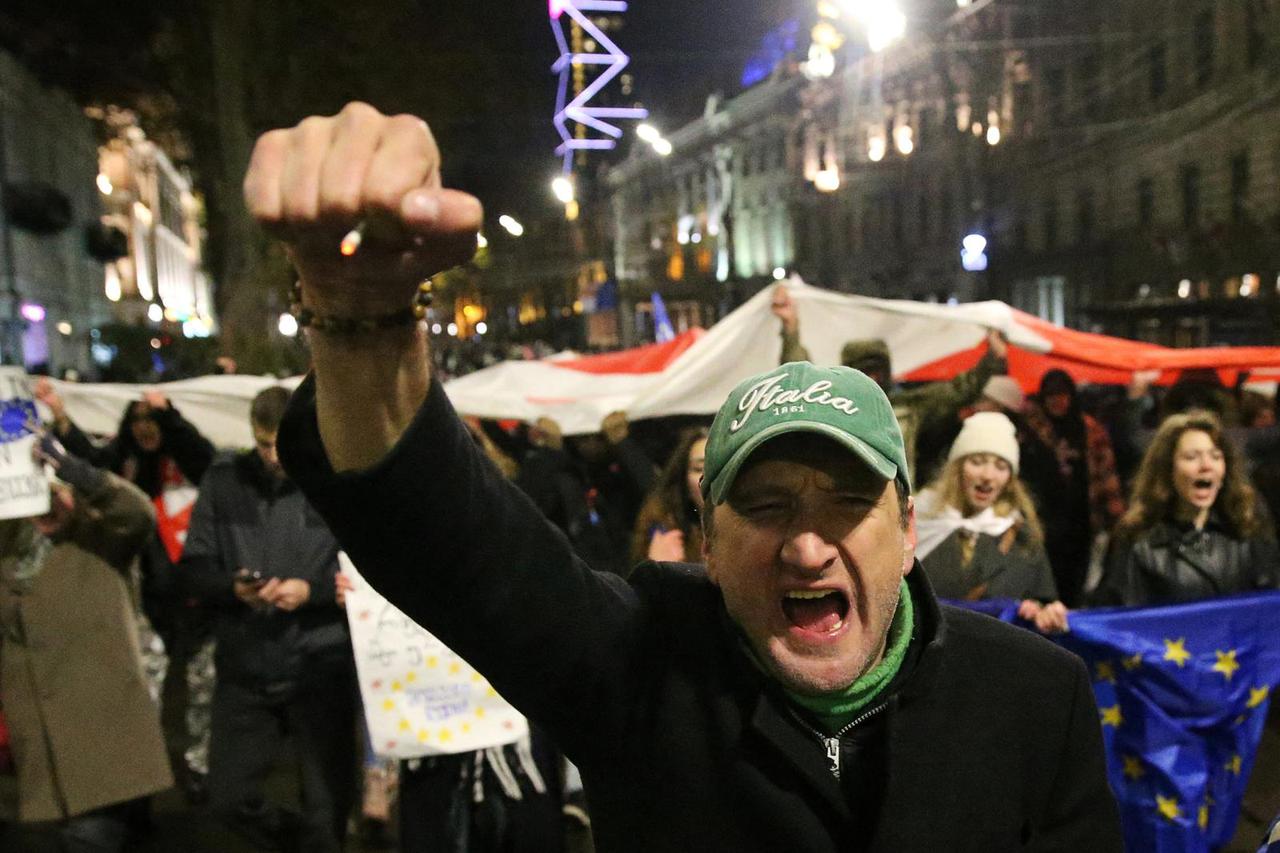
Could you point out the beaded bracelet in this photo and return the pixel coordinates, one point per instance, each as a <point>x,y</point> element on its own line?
<point>338,325</point>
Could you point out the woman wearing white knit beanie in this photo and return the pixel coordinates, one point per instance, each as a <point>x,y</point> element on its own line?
<point>979,534</point>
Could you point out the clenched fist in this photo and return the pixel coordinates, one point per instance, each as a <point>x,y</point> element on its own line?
<point>311,184</point>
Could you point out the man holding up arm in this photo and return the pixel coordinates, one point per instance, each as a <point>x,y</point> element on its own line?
<point>806,692</point>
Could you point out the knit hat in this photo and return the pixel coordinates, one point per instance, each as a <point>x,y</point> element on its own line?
<point>840,403</point>
<point>987,432</point>
<point>1006,391</point>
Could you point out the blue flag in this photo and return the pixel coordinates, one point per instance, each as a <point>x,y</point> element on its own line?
<point>1182,694</point>
<point>663,331</point>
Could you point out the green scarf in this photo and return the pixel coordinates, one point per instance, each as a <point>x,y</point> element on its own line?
<point>836,710</point>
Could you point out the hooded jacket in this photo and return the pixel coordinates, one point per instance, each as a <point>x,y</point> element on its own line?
<point>989,740</point>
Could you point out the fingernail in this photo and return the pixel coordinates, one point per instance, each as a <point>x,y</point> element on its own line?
<point>423,205</point>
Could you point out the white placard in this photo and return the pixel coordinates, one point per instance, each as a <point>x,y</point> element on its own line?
<point>419,697</point>
<point>24,489</point>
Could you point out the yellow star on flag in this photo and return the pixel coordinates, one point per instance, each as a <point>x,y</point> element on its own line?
<point>455,668</point>
<point>411,677</point>
<point>433,662</point>
<point>388,704</point>
<point>445,735</point>
<point>423,735</point>
<point>1133,767</point>
<point>396,687</point>
<point>1203,820</point>
<point>404,725</point>
<point>1132,662</point>
<point>1112,716</point>
<point>1227,664</point>
<point>1168,806</point>
<point>1234,765</point>
<point>479,712</point>
<point>1176,651</point>
<point>1105,671</point>
<point>1258,695</point>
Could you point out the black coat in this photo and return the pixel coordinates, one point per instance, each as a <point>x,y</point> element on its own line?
<point>245,519</point>
<point>1173,562</point>
<point>988,741</point>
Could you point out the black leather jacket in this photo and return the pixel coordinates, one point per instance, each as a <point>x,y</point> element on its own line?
<point>1173,562</point>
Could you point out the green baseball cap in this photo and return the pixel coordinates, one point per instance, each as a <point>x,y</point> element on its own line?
<point>840,403</point>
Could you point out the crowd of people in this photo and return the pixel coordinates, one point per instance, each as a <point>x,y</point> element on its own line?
<point>729,629</point>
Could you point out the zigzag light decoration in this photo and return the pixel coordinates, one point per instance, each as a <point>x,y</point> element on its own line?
<point>577,110</point>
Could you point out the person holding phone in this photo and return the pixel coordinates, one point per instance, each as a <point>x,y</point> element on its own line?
<point>264,560</point>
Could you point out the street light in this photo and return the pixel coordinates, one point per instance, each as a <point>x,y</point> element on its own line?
<point>883,20</point>
<point>827,180</point>
<point>563,189</point>
<point>288,325</point>
<point>648,133</point>
<point>514,228</point>
<point>663,147</point>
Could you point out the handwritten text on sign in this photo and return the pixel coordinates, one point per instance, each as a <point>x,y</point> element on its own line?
<point>420,698</point>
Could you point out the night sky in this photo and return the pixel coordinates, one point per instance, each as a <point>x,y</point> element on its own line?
<point>478,72</point>
<point>681,51</point>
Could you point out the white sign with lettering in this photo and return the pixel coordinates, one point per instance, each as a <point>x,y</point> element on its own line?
<point>24,488</point>
<point>419,697</point>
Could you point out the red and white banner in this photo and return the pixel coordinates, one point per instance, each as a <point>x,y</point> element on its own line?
<point>695,372</point>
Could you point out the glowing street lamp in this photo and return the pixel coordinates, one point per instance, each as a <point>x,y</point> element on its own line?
<point>827,180</point>
<point>288,325</point>
<point>903,139</point>
<point>562,188</point>
<point>663,147</point>
<point>648,133</point>
<point>512,227</point>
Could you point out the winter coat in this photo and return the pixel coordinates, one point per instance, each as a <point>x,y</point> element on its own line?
<point>86,733</point>
<point>244,518</point>
<point>1106,496</point>
<point>1173,562</point>
<point>987,740</point>
<point>1008,566</point>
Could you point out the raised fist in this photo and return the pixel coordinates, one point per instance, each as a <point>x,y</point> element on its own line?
<point>312,184</point>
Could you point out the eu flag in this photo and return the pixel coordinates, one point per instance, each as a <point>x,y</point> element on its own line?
<point>1182,694</point>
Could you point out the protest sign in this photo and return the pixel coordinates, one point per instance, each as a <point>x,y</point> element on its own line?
<point>24,489</point>
<point>419,697</point>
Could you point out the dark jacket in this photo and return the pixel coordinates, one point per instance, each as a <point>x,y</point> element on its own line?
<point>244,518</point>
<point>189,450</point>
<point>989,740</point>
<point>1009,566</point>
<point>1173,562</point>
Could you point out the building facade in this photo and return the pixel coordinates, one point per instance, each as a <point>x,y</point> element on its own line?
<point>50,287</point>
<point>1116,165</point>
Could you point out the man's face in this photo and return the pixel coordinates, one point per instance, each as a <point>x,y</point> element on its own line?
<point>264,441</point>
<point>809,551</point>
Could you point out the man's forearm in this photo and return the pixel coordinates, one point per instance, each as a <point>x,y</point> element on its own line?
<point>368,388</point>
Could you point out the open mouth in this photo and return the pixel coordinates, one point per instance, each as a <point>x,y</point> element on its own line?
<point>1203,483</point>
<point>818,611</point>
